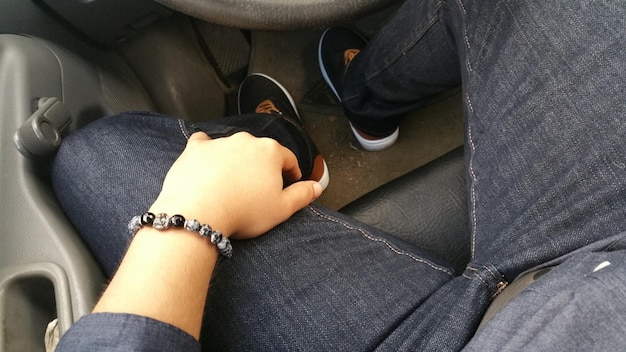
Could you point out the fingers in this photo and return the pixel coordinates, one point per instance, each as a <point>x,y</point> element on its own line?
<point>291,169</point>
<point>299,195</point>
<point>287,159</point>
<point>199,136</point>
<point>247,209</point>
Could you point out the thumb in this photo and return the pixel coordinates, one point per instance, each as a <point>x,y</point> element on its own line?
<point>199,136</point>
<point>300,194</point>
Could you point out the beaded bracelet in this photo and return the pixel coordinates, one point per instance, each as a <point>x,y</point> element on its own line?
<point>162,222</point>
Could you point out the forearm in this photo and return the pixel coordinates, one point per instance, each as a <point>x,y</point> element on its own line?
<point>175,267</point>
<point>165,275</point>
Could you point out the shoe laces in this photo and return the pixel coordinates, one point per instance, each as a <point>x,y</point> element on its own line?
<point>267,107</point>
<point>348,56</point>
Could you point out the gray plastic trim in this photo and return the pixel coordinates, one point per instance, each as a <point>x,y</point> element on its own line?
<point>33,228</point>
<point>23,297</point>
<point>41,134</point>
<point>39,249</point>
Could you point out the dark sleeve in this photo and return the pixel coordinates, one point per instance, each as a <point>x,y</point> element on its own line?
<point>125,332</point>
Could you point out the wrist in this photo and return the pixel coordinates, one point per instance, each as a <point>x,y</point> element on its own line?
<point>162,222</point>
<point>216,215</point>
<point>165,276</point>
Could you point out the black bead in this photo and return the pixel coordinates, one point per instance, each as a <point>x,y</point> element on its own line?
<point>147,218</point>
<point>177,221</point>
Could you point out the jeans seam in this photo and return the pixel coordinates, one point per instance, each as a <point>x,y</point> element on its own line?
<point>613,244</point>
<point>471,142</point>
<point>380,240</point>
<point>473,181</point>
<point>462,7</point>
<point>493,275</point>
<point>475,274</point>
<point>183,130</point>
<point>499,280</point>
<point>412,43</point>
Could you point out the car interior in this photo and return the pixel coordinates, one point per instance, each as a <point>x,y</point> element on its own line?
<point>66,63</point>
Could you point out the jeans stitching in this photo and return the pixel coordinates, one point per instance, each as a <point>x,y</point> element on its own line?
<point>495,277</point>
<point>183,130</point>
<point>462,7</point>
<point>380,240</point>
<point>476,274</point>
<point>406,48</point>
<point>471,142</point>
<point>473,182</point>
<point>499,280</point>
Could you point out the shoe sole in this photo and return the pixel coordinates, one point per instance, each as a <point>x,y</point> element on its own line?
<point>376,145</point>
<point>322,68</point>
<point>324,178</point>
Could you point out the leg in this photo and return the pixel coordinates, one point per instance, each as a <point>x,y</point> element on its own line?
<point>543,83</point>
<point>578,306</point>
<point>543,88</point>
<point>411,59</point>
<point>320,281</point>
<point>114,168</point>
<point>318,272</point>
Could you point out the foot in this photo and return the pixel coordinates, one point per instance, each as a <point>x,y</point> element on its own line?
<point>261,94</point>
<point>337,48</point>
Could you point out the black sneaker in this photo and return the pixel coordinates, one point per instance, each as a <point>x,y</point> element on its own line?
<point>337,48</point>
<point>261,94</point>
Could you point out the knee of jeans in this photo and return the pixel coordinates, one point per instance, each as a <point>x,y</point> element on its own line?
<point>85,146</point>
<point>106,131</point>
<point>73,152</point>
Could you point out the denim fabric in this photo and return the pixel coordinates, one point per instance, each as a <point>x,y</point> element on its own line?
<point>543,98</point>
<point>578,306</point>
<point>317,269</point>
<point>113,169</point>
<point>125,332</point>
<point>318,282</point>
<point>411,59</point>
<point>543,87</point>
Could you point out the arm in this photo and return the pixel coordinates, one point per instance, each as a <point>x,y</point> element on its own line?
<point>235,184</point>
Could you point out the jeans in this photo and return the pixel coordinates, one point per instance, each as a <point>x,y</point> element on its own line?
<point>543,88</point>
<point>124,160</point>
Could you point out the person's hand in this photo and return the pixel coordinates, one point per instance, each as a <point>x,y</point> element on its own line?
<point>235,184</point>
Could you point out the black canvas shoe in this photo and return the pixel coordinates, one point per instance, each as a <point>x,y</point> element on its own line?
<point>337,48</point>
<point>261,94</point>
